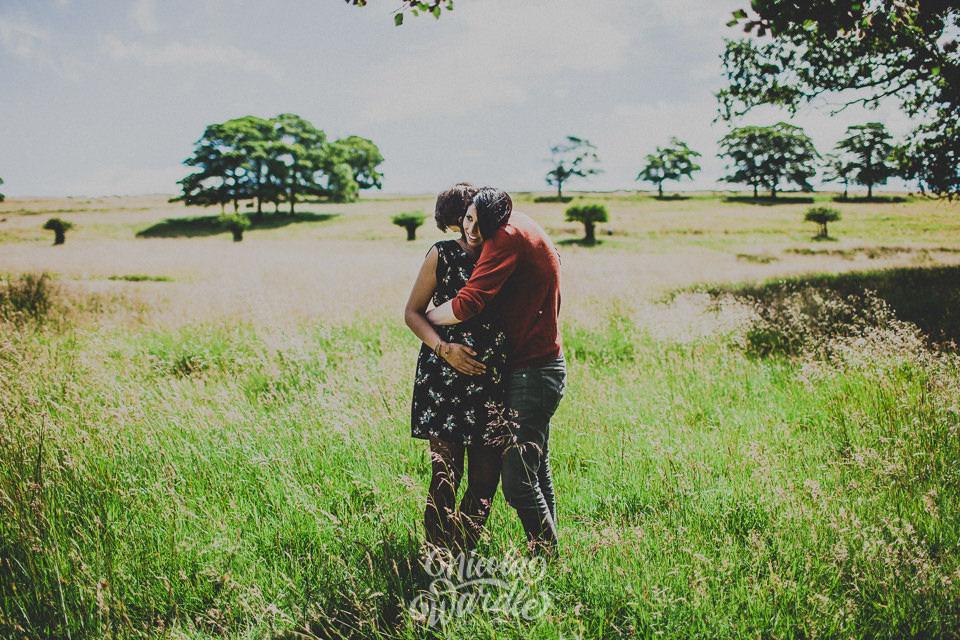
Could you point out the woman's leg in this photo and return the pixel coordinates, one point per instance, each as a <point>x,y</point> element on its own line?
<point>483,476</point>
<point>439,519</point>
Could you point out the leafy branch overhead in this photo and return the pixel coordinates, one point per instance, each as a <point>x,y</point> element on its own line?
<point>861,53</point>
<point>415,7</point>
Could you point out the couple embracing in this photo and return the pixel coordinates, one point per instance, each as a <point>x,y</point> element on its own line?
<point>491,370</point>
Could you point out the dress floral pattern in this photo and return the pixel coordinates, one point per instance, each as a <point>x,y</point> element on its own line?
<point>447,404</point>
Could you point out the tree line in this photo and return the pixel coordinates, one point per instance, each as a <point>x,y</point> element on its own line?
<point>281,159</point>
<point>762,158</point>
<point>853,51</point>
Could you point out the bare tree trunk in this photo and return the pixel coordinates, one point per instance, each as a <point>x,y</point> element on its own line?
<point>590,235</point>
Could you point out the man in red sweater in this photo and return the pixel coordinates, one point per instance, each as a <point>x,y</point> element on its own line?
<point>519,265</point>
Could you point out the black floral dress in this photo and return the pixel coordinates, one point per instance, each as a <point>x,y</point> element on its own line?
<point>447,404</point>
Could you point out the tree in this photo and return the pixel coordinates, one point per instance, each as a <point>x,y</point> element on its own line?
<point>766,156</point>
<point>409,221</point>
<point>670,163</point>
<point>860,53</point>
<point>589,215</point>
<point>283,158</point>
<point>821,215</point>
<point>224,175</point>
<point>870,145</point>
<point>59,228</point>
<point>363,157</point>
<point>1,195</point>
<point>839,168</point>
<point>574,158</point>
<point>350,165</point>
<point>300,156</point>
<point>235,223</point>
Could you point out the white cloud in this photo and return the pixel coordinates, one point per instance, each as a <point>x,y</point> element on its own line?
<point>189,55</point>
<point>25,41</point>
<point>500,48</point>
<point>144,13</point>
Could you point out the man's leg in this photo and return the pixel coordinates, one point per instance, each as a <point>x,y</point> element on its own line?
<point>534,395</point>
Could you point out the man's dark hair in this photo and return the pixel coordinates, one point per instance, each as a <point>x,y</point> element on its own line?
<point>494,207</point>
<point>452,204</point>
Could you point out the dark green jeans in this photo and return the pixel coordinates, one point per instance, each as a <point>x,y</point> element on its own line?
<point>534,394</point>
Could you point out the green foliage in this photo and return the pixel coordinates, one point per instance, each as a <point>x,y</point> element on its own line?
<point>872,153</point>
<point>1,195</point>
<point>821,216</point>
<point>669,163</point>
<point>238,481</point>
<point>574,158</point>
<point>923,296</point>
<point>59,228</point>
<point>766,156</point>
<point>27,297</point>
<point>839,168</point>
<point>409,221</point>
<point>793,320</point>
<point>415,7</point>
<point>140,277</point>
<point>284,158</point>
<point>235,223</point>
<point>589,215</point>
<point>860,53</point>
<point>362,157</point>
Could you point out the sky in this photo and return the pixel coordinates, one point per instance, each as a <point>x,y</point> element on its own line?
<point>109,97</point>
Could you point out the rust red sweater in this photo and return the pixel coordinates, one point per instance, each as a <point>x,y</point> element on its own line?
<point>520,266</point>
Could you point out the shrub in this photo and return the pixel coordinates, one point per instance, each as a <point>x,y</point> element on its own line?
<point>235,224</point>
<point>821,215</point>
<point>28,296</point>
<point>409,221</point>
<point>589,215</point>
<point>59,228</point>
<point>809,321</point>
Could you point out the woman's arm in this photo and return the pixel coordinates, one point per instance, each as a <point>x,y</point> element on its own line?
<point>414,314</point>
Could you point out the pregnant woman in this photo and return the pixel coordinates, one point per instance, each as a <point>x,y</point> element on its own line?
<point>460,413</point>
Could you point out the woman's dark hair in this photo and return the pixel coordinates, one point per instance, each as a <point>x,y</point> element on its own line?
<point>493,210</point>
<point>452,204</point>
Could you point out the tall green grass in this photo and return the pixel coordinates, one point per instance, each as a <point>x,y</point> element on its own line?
<point>230,480</point>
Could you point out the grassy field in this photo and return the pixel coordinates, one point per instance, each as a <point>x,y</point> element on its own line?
<point>208,439</point>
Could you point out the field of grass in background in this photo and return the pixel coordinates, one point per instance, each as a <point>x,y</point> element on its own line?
<point>781,461</point>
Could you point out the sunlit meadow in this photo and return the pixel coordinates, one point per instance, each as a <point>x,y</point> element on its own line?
<point>207,439</point>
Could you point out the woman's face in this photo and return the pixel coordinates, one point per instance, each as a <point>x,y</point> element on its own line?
<point>471,230</point>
